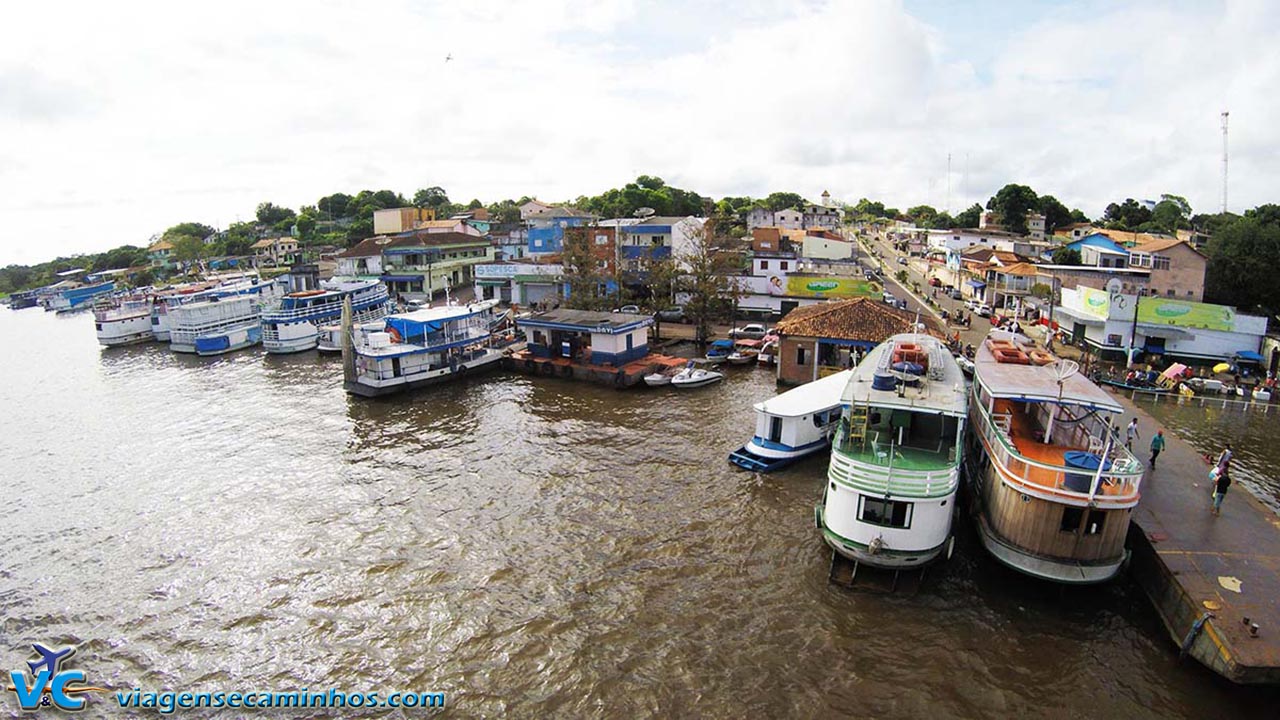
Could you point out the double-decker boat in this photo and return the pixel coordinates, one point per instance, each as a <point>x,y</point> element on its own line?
<point>228,319</point>
<point>894,473</point>
<point>124,320</point>
<point>295,324</point>
<point>793,424</point>
<point>1053,490</point>
<point>423,347</point>
<point>76,298</point>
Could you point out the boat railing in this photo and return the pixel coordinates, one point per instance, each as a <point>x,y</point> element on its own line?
<point>1117,484</point>
<point>888,478</point>
<point>330,304</point>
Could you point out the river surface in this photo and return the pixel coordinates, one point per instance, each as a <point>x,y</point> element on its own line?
<point>531,547</point>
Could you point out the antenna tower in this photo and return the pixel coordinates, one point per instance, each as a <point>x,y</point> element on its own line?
<point>1224,160</point>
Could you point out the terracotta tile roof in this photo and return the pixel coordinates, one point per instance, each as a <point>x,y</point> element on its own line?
<point>1021,268</point>
<point>368,247</point>
<point>161,245</point>
<point>1160,243</point>
<point>263,243</point>
<point>861,319</point>
<point>424,239</point>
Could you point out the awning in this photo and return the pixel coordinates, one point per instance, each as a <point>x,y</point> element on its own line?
<point>492,283</point>
<point>1154,349</point>
<point>401,278</point>
<point>1249,355</point>
<point>977,284</point>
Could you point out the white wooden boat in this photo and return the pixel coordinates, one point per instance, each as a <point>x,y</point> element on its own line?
<point>295,324</point>
<point>894,474</point>
<point>793,424</point>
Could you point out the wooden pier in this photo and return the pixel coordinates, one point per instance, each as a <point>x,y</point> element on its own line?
<point>1214,580</point>
<point>625,376</point>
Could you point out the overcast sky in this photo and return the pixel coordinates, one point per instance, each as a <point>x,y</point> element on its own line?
<point>118,120</point>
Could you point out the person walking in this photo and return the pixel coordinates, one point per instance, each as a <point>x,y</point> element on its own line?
<point>1130,434</point>
<point>1157,444</point>
<point>1220,491</point>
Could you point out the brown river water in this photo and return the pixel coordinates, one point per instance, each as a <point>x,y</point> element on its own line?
<point>530,547</point>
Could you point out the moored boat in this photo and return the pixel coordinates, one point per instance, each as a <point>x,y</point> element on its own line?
<point>77,297</point>
<point>693,376</point>
<point>718,350</point>
<point>228,319</point>
<point>660,378</point>
<point>793,424</point>
<point>294,325</point>
<point>894,474</point>
<point>422,347</point>
<point>1052,489</point>
<point>123,321</point>
<point>745,352</point>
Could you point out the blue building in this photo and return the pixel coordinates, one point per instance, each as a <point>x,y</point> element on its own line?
<point>588,337</point>
<point>1098,250</point>
<point>546,228</point>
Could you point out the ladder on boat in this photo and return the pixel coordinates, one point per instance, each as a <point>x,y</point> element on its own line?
<point>859,419</point>
<point>852,575</point>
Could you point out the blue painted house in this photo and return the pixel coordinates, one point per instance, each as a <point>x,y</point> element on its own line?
<point>1098,250</point>
<point>547,225</point>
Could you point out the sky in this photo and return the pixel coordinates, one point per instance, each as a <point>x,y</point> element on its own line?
<point>118,120</point>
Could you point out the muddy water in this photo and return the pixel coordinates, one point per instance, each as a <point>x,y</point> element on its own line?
<point>528,546</point>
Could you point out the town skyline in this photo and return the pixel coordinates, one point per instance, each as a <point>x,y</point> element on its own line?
<point>163,115</point>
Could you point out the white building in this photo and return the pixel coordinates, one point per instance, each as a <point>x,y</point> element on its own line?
<point>1165,326</point>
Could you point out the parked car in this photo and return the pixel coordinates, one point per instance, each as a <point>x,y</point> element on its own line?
<point>935,282</point>
<point>671,314</point>
<point>955,293</point>
<point>633,309</point>
<point>754,331</point>
<point>889,298</point>
<point>982,310</point>
<point>902,260</point>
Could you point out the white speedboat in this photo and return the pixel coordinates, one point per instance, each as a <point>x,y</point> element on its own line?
<point>422,347</point>
<point>1261,394</point>
<point>660,378</point>
<point>1051,489</point>
<point>794,424</point>
<point>294,325</point>
<point>894,473</point>
<point>745,352</point>
<point>694,376</point>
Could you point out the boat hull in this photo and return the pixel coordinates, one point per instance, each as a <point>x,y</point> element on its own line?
<point>373,388</point>
<point>229,341</point>
<point>880,558</point>
<point>1045,568</point>
<point>657,380</point>
<point>695,383</point>
<point>120,341</point>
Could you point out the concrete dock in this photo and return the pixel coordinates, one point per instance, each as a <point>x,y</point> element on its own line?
<point>624,376</point>
<point>1210,578</point>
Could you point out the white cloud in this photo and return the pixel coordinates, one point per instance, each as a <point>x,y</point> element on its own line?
<point>117,121</point>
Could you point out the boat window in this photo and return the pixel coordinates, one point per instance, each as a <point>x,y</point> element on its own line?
<point>1071,517</point>
<point>886,513</point>
<point>1097,519</point>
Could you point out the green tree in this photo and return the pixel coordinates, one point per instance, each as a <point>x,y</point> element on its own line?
<point>581,270</point>
<point>144,278</point>
<point>306,227</point>
<point>1243,255</point>
<point>187,248</point>
<point>783,201</point>
<point>1056,214</point>
<point>922,215</point>
<point>1127,215</point>
<point>970,217</point>
<point>867,208</point>
<point>505,212</point>
<point>334,206</point>
<point>196,229</point>
<point>1066,256</point>
<point>1012,203</point>
<point>1171,214</point>
<point>434,198</point>
<point>271,214</point>
<point>708,279</point>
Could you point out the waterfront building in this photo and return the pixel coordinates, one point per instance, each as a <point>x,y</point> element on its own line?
<point>587,337</point>
<point>827,337</point>
<point>422,263</point>
<point>275,251</point>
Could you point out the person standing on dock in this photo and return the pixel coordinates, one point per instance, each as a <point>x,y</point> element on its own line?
<point>1130,434</point>
<point>1157,444</point>
<point>1220,491</point>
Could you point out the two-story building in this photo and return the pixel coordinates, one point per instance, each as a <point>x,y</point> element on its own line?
<point>1177,268</point>
<point>603,243</point>
<point>364,259</point>
<point>547,226</point>
<point>424,263</point>
<point>160,253</point>
<point>655,238</point>
<point>275,251</point>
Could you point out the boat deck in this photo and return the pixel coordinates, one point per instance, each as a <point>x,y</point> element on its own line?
<point>904,457</point>
<point>1026,435</point>
<point>624,376</point>
<point>1188,561</point>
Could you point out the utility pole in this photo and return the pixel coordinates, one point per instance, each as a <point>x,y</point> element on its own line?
<point>1224,160</point>
<point>947,208</point>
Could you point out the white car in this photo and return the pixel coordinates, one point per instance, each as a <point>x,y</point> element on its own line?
<point>754,331</point>
<point>889,299</point>
<point>982,310</point>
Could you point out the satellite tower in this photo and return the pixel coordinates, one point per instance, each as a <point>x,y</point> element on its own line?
<point>1224,160</point>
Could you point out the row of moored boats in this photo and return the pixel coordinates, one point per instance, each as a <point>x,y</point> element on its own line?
<point>1048,484</point>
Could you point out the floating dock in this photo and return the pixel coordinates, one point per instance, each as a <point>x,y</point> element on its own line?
<point>623,376</point>
<point>1214,580</point>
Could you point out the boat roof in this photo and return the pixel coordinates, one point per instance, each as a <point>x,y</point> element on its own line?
<point>816,396</point>
<point>444,312</point>
<point>1035,383</point>
<point>946,395</point>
